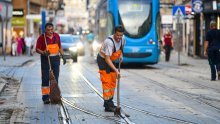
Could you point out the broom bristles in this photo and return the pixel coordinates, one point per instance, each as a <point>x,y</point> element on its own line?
<point>55,94</point>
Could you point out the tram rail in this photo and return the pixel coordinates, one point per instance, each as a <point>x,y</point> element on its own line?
<point>137,109</point>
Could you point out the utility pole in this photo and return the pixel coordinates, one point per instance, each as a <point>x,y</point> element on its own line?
<point>3,41</point>
<point>178,36</point>
<point>179,13</point>
<point>201,32</point>
<point>28,12</point>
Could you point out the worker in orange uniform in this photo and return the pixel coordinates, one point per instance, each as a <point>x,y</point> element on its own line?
<point>52,49</point>
<point>111,50</point>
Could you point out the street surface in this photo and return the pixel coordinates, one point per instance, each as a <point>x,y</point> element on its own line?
<point>164,93</point>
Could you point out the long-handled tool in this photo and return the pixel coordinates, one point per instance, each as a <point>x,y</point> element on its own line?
<point>118,108</point>
<point>55,94</point>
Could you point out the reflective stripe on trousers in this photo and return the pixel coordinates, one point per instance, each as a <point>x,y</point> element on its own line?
<point>108,84</point>
<point>45,90</point>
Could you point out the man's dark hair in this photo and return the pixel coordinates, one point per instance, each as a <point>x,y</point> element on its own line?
<point>119,28</point>
<point>48,24</point>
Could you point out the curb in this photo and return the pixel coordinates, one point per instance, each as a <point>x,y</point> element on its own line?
<point>24,63</point>
<point>2,87</point>
<point>3,84</point>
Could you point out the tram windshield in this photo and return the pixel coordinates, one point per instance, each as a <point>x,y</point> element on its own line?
<point>135,16</point>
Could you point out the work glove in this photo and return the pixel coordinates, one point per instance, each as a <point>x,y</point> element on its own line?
<point>64,60</point>
<point>46,53</point>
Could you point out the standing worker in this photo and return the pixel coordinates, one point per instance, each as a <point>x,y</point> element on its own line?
<point>111,50</point>
<point>211,49</point>
<point>168,44</point>
<point>52,49</point>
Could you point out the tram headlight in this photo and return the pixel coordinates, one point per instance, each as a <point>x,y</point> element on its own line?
<point>151,42</point>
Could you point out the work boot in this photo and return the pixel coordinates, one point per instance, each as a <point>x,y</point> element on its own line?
<point>105,103</point>
<point>109,106</point>
<point>109,109</point>
<point>111,103</point>
<point>47,101</point>
<point>218,75</point>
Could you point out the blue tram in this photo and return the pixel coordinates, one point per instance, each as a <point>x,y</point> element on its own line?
<point>141,21</point>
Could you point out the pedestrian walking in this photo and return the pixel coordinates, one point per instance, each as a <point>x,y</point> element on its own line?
<point>111,50</point>
<point>19,45</point>
<point>28,42</point>
<point>33,44</point>
<point>211,49</point>
<point>14,46</point>
<point>54,50</point>
<point>168,44</point>
<point>90,39</point>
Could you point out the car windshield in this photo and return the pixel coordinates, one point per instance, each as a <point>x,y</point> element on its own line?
<point>69,39</point>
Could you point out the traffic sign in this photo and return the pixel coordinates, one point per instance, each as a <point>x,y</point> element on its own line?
<point>188,9</point>
<point>179,11</point>
<point>197,6</point>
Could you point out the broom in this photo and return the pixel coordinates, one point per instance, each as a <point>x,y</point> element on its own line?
<point>55,94</point>
<point>118,108</point>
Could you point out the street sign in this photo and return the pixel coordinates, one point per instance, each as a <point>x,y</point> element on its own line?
<point>178,14</point>
<point>179,11</point>
<point>188,9</point>
<point>43,21</point>
<point>197,6</point>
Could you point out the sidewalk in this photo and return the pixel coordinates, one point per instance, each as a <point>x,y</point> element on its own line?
<point>16,60</point>
<point>13,61</point>
<point>194,62</point>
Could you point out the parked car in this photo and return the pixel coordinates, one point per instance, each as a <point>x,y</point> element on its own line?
<point>71,45</point>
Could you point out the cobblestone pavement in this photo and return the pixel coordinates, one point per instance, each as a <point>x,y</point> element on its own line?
<point>20,99</point>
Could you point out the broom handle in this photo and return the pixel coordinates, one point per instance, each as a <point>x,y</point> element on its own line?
<point>118,86</point>
<point>48,57</point>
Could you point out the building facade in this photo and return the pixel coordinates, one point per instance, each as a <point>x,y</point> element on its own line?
<point>5,26</point>
<point>76,15</point>
<point>26,17</point>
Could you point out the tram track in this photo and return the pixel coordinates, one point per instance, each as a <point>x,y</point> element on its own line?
<point>118,119</point>
<point>74,106</point>
<point>137,109</point>
<point>186,94</point>
<point>200,97</point>
<point>187,80</point>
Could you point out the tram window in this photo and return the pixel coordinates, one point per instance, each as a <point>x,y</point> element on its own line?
<point>110,24</point>
<point>135,16</point>
<point>103,23</point>
<point>158,24</point>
